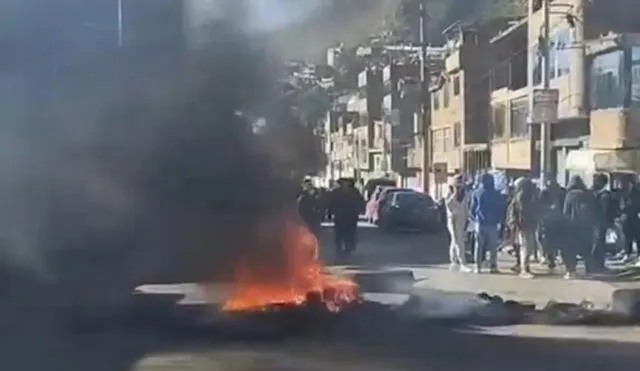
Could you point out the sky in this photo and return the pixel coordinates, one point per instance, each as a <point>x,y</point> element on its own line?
<point>273,14</point>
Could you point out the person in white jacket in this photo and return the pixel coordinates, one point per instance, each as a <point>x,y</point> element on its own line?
<point>456,203</point>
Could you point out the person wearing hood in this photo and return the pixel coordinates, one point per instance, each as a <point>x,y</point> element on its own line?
<point>551,232</point>
<point>309,206</point>
<point>522,221</point>
<point>486,211</point>
<point>580,211</point>
<point>456,205</point>
<point>606,213</point>
<point>629,205</point>
<point>556,194</point>
<point>346,204</point>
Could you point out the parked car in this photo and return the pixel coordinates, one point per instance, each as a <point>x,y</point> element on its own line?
<point>408,209</point>
<point>373,184</point>
<point>386,194</point>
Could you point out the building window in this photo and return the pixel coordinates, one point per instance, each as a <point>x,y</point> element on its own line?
<point>635,76</point>
<point>456,85</point>
<point>457,134</point>
<point>438,142</point>
<point>499,116</point>
<point>562,47</point>
<point>559,56</point>
<point>553,57</point>
<point>519,118</point>
<point>445,94</point>
<point>446,139</point>
<point>436,100</point>
<point>363,148</point>
<point>607,80</point>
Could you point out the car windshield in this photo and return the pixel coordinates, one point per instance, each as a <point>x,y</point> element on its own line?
<point>412,198</point>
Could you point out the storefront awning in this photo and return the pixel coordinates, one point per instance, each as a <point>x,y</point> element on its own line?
<point>593,160</point>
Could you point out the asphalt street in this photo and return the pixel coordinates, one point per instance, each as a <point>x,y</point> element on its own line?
<point>376,249</point>
<point>41,343</point>
<point>500,348</point>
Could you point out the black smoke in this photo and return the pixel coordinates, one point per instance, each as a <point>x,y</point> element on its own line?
<point>125,164</point>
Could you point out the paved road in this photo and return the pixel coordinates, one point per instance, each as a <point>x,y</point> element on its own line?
<point>518,348</point>
<point>376,248</point>
<point>426,255</point>
<point>447,292</point>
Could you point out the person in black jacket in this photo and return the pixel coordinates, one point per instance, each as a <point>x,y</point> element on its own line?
<point>629,204</point>
<point>551,231</point>
<point>606,212</point>
<point>310,206</point>
<point>580,210</point>
<point>346,204</point>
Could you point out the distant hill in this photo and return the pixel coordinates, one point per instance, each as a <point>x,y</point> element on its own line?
<point>343,21</point>
<point>353,21</point>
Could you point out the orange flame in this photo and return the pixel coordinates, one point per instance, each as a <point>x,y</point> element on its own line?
<point>302,273</point>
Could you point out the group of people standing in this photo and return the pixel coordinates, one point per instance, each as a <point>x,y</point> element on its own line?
<point>545,225</point>
<point>342,204</point>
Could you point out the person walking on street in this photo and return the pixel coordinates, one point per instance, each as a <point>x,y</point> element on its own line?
<point>580,211</point>
<point>522,221</point>
<point>486,212</point>
<point>310,207</point>
<point>556,194</point>
<point>606,213</point>
<point>629,204</point>
<point>551,228</point>
<point>346,205</point>
<point>456,205</point>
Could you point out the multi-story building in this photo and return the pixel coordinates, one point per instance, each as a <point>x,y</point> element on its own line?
<point>401,79</point>
<point>460,102</point>
<point>587,49</point>
<point>343,146</point>
<point>367,103</point>
<point>417,154</point>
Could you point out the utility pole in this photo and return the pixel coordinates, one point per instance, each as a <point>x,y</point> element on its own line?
<point>545,129</point>
<point>543,48</point>
<point>425,102</point>
<point>386,167</point>
<point>120,23</point>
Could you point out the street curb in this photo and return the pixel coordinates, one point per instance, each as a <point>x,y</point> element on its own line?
<point>626,302</point>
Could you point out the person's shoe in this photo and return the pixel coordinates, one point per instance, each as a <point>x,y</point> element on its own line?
<point>465,269</point>
<point>526,275</point>
<point>543,261</point>
<point>494,270</point>
<point>619,256</point>
<point>515,268</point>
<point>569,276</point>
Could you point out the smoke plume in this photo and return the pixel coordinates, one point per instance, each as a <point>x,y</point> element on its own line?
<point>131,164</point>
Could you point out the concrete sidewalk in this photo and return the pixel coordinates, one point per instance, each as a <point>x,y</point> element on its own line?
<point>539,290</point>
<point>508,285</point>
